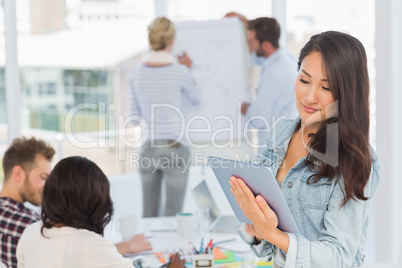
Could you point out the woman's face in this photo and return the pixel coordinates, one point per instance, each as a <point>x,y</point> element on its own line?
<point>312,89</point>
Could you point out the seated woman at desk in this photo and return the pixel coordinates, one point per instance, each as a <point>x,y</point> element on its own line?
<point>323,162</point>
<point>76,207</point>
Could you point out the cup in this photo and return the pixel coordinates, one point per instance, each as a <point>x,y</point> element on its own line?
<point>185,224</point>
<point>128,226</point>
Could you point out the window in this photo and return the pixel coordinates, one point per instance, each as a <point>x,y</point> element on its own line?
<point>216,9</point>
<point>46,88</point>
<point>355,17</point>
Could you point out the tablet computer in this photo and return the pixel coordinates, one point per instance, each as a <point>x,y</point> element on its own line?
<point>261,182</point>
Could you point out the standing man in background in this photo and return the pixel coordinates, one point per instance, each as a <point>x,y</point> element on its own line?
<point>275,97</point>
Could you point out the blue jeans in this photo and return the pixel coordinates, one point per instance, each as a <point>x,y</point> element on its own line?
<point>168,164</point>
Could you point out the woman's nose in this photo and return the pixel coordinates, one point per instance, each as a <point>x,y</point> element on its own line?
<point>312,95</point>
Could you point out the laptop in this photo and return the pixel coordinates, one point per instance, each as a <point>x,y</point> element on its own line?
<point>218,223</point>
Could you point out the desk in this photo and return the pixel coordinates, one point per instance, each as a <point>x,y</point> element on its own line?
<point>171,241</point>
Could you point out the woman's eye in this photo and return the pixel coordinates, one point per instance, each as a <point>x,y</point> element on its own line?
<point>326,88</point>
<point>303,81</point>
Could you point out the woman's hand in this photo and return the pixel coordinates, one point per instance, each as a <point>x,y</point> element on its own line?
<point>185,60</point>
<point>176,262</point>
<point>139,243</point>
<point>244,107</point>
<point>135,244</point>
<point>253,232</point>
<point>263,218</point>
<point>238,15</point>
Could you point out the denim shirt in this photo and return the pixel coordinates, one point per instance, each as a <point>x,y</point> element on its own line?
<point>329,236</point>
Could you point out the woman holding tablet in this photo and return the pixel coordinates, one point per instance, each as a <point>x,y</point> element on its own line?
<point>327,171</point>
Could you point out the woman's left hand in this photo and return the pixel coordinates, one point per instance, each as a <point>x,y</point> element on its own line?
<point>256,209</point>
<point>139,243</point>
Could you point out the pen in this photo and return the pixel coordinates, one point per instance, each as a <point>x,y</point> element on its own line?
<point>201,246</point>
<point>194,250</point>
<point>208,246</point>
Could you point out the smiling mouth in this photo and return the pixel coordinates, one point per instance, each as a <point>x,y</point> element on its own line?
<point>309,109</point>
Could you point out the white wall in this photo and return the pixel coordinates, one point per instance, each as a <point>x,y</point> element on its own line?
<point>389,128</point>
<point>13,92</point>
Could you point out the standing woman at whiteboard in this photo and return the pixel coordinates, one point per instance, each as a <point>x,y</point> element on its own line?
<point>158,88</point>
<point>323,162</point>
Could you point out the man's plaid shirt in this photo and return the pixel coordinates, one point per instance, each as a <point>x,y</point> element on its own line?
<point>14,217</point>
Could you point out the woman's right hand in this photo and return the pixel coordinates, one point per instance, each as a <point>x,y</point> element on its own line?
<point>176,262</point>
<point>253,232</point>
<point>185,60</point>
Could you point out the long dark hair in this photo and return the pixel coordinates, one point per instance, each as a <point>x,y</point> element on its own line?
<point>76,194</point>
<point>345,65</point>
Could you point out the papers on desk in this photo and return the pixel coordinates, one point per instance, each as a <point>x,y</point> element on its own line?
<point>218,254</point>
<point>235,245</point>
<point>132,255</point>
<point>230,257</point>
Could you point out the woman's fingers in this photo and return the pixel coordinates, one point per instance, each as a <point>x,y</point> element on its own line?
<point>250,229</point>
<point>236,190</point>
<point>245,198</point>
<point>238,193</point>
<point>269,215</point>
<point>246,191</point>
<point>240,188</point>
<point>250,198</point>
<point>262,203</point>
<point>174,257</point>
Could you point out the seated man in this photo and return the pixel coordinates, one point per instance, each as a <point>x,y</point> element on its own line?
<point>26,165</point>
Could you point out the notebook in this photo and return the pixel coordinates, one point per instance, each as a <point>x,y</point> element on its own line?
<point>218,223</point>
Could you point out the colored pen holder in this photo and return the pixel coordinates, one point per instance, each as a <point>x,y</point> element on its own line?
<point>203,260</point>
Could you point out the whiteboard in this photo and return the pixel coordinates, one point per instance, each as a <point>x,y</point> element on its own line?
<point>217,49</point>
